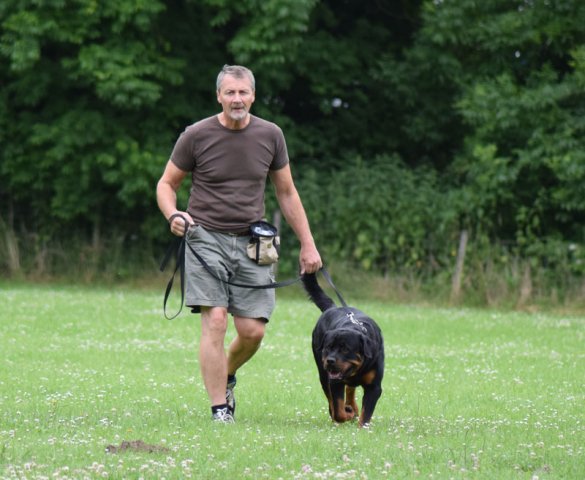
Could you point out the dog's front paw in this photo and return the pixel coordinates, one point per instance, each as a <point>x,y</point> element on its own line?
<point>344,414</point>
<point>350,413</point>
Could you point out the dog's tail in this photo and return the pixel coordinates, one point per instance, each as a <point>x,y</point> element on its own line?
<point>316,293</point>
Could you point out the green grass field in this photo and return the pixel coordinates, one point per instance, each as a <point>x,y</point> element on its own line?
<point>467,394</point>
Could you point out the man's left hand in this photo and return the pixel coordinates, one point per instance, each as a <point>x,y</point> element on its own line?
<point>310,260</point>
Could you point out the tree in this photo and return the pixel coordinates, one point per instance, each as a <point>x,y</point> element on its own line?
<point>470,109</point>
<point>88,109</point>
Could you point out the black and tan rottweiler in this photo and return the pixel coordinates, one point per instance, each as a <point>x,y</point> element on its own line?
<point>349,352</point>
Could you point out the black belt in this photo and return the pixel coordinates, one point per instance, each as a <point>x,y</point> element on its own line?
<point>177,247</point>
<point>243,233</point>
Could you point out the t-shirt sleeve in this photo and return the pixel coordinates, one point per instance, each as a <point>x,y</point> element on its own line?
<point>281,152</point>
<point>183,151</point>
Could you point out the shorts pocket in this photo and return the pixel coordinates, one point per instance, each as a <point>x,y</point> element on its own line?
<point>192,231</point>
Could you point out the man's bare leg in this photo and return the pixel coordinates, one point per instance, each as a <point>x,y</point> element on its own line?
<point>250,332</point>
<point>212,356</point>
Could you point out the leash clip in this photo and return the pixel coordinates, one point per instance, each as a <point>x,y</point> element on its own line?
<point>356,322</point>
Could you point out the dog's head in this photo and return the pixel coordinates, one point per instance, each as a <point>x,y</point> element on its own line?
<point>344,352</point>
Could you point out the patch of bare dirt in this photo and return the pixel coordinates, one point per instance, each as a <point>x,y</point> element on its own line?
<point>136,446</point>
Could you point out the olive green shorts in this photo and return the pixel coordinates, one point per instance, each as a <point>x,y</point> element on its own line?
<point>226,256</point>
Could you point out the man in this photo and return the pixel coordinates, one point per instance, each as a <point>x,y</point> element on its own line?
<point>229,157</point>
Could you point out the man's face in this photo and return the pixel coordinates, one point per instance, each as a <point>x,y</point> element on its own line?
<point>236,97</point>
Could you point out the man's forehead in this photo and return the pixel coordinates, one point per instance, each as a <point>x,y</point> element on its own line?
<point>233,83</point>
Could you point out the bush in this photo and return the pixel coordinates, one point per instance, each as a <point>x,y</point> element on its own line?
<point>377,214</point>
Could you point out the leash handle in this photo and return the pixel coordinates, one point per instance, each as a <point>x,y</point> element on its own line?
<point>177,247</point>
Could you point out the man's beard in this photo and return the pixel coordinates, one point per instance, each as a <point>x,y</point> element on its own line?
<point>239,114</point>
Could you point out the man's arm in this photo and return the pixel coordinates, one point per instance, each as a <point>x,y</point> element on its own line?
<point>294,213</point>
<point>166,197</point>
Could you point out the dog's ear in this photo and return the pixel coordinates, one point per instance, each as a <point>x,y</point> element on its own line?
<point>321,345</point>
<point>367,347</point>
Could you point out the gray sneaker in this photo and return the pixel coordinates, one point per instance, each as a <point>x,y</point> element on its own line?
<point>230,399</point>
<point>223,415</point>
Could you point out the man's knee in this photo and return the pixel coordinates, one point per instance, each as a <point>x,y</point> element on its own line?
<point>256,335</point>
<point>251,330</point>
<point>214,320</point>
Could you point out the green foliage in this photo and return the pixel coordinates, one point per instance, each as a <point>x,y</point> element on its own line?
<point>128,74</point>
<point>378,214</point>
<point>79,82</point>
<point>530,168</point>
<point>518,175</point>
<point>405,121</point>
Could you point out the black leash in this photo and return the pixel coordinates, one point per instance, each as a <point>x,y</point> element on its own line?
<point>177,247</point>
<point>330,281</point>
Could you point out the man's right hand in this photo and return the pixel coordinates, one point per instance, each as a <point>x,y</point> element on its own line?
<point>177,224</point>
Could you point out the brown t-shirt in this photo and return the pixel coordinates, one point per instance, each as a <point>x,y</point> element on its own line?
<point>229,170</point>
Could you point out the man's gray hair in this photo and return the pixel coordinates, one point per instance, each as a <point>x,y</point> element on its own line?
<point>236,71</point>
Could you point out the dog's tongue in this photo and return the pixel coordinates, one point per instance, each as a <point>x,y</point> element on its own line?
<point>334,375</point>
